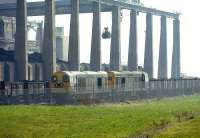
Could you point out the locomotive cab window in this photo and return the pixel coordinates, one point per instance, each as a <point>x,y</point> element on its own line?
<point>53,78</point>
<point>65,78</point>
<point>123,81</point>
<point>109,78</point>
<point>99,82</point>
<point>143,77</point>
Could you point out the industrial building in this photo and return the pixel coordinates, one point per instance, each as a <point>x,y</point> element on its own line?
<point>49,8</point>
<point>7,47</point>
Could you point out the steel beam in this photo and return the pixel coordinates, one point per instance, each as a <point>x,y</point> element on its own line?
<point>21,57</point>
<point>176,67</point>
<point>162,63</point>
<point>115,52</point>
<point>133,53</point>
<point>148,60</point>
<point>74,48</point>
<point>86,6</point>
<point>95,58</point>
<point>49,49</point>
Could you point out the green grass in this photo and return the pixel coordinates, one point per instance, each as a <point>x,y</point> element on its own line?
<point>103,121</point>
<point>187,129</point>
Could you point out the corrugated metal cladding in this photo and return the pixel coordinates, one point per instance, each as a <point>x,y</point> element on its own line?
<point>7,1</point>
<point>14,1</point>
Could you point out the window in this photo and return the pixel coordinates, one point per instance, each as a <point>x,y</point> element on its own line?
<point>109,78</point>
<point>99,82</point>
<point>53,78</point>
<point>123,81</point>
<point>65,78</point>
<point>143,77</point>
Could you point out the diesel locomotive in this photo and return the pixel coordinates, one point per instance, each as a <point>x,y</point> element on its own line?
<point>68,81</point>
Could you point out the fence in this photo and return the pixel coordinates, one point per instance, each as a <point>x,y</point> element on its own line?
<point>40,93</point>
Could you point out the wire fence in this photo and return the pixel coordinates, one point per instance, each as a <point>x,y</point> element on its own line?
<point>41,93</point>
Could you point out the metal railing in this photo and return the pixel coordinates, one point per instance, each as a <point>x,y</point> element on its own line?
<point>40,92</point>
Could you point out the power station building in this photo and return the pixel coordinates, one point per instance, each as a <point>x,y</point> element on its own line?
<point>7,47</point>
<point>50,56</point>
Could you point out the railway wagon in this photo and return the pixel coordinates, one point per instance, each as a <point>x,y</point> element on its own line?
<point>73,81</point>
<point>89,81</point>
<point>128,79</point>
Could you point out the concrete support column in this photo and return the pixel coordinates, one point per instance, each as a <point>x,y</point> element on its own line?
<point>148,59</point>
<point>95,58</point>
<point>133,53</point>
<point>49,49</point>
<point>74,48</point>
<point>21,57</point>
<point>115,52</point>
<point>176,67</point>
<point>162,63</point>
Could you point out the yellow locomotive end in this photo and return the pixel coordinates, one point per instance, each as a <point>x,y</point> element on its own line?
<point>60,81</point>
<point>111,79</point>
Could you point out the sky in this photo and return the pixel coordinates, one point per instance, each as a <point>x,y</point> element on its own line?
<point>190,29</point>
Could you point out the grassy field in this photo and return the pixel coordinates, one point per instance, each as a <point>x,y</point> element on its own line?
<point>168,118</point>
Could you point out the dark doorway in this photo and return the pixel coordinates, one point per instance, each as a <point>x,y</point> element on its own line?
<point>6,72</point>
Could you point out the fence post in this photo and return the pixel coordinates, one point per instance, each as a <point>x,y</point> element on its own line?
<point>93,102</point>
<point>2,92</point>
<point>47,92</point>
<point>25,92</point>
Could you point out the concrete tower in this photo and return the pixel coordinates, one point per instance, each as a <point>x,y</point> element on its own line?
<point>115,53</point>
<point>162,63</point>
<point>74,48</point>
<point>176,67</point>
<point>133,54</point>
<point>49,49</point>
<point>21,57</point>
<point>95,58</point>
<point>148,60</point>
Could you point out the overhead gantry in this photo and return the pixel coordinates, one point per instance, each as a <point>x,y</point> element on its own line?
<point>50,8</point>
